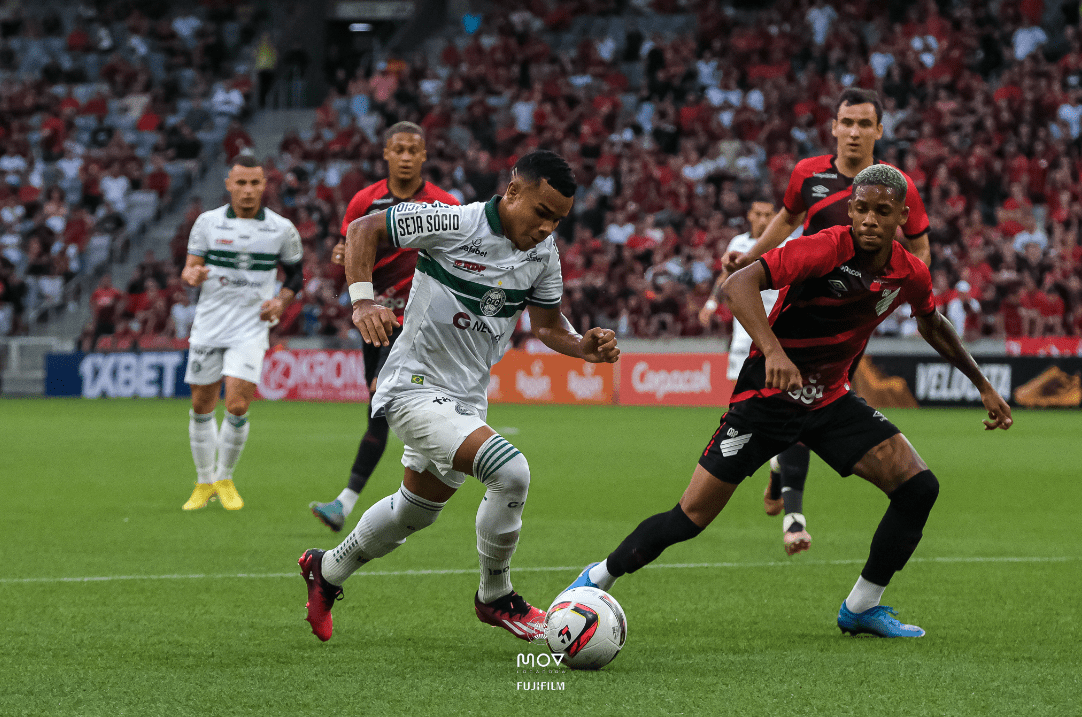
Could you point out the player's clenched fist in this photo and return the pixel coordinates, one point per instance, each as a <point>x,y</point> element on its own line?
<point>376,323</point>
<point>338,253</point>
<point>599,346</point>
<point>195,275</point>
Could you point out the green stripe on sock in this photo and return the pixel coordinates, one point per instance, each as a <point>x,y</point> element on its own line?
<point>505,460</point>
<point>492,457</point>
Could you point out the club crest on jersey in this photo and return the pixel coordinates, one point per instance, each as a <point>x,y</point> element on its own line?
<point>474,247</point>
<point>887,300</point>
<point>244,260</point>
<point>470,266</point>
<point>493,301</point>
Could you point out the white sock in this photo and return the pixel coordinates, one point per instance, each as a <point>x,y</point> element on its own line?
<point>203,436</point>
<point>382,528</point>
<point>348,499</point>
<point>231,441</point>
<point>599,575</point>
<point>506,474</point>
<point>865,596</point>
<point>494,553</point>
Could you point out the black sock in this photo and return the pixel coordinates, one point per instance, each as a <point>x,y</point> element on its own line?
<point>901,528</point>
<point>368,453</point>
<point>648,540</point>
<point>775,486</point>
<point>794,462</point>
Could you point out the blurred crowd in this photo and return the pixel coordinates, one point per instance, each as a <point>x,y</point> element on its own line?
<point>106,111</point>
<point>676,114</point>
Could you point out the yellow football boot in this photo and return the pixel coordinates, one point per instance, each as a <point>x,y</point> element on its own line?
<point>227,493</point>
<point>200,496</point>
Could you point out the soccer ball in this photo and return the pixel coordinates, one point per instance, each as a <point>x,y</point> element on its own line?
<point>587,626</point>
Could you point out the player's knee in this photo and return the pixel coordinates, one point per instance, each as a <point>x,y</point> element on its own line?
<point>501,466</point>
<point>918,494</point>
<point>511,478</point>
<point>237,405</point>
<point>414,512</point>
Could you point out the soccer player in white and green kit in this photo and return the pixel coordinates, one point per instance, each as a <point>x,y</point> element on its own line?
<point>480,266</point>
<point>233,254</point>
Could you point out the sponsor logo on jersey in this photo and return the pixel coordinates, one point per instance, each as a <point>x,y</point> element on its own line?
<point>474,247</point>
<point>238,282</point>
<point>820,191</point>
<point>465,322</point>
<point>533,256</point>
<point>272,230</point>
<point>383,200</point>
<point>433,223</point>
<point>837,285</point>
<point>244,236</point>
<point>493,301</point>
<point>224,241</point>
<point>470,266</point>
<point>886,301</point>
<point>850,270</point>
<point>826,175</point>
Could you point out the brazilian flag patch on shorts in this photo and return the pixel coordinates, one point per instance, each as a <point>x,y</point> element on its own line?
<point>417,380</point>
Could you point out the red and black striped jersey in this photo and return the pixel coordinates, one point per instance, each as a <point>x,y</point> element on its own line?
<point>827,308</point>
<point>392,274</point>
<point>816,186</point>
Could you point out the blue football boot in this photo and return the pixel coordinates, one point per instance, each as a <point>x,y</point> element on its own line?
<point>879,620</point>
<point>583,580</point>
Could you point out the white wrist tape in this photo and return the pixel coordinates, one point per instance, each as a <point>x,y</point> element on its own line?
<point>359,290</point>
<point>711,305</point>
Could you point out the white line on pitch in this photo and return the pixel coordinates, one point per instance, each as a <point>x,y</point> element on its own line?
<point>562,568</point>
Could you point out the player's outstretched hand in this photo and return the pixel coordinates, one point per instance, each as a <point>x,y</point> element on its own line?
<point>705,315</point>
<point>734,260</point>
<point>338,253</point>
<point>782,373</point>
<point>599,346</point>
<point>999,413</point>
<point>195,275</point>
<point>376,323</point>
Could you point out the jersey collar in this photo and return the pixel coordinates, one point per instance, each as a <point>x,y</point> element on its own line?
<point>259,216</point>
<point>492,214</point>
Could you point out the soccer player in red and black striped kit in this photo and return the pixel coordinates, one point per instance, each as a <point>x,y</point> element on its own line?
<point>835,287</point>
<point>392,277</point>
<point>818,194</point>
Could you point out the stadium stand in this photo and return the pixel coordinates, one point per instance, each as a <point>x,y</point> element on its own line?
<point>675,115</point>
<point>102,128</point>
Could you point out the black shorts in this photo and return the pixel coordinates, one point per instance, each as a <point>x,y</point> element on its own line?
<point>756,429</point>
<point>376,356</point>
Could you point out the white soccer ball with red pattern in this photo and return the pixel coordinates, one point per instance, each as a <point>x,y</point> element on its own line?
<point>587,626</point>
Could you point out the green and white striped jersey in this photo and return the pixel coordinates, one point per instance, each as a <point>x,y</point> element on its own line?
<point>470,286</point>
<point>243,256</point>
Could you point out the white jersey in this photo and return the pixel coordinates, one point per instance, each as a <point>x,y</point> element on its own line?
<point>243,256</point>
<point>740,346</point>
<point>470,286</point>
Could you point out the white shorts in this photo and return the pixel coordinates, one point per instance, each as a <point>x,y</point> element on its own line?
<point>433,425</point>
<point>207,364</point>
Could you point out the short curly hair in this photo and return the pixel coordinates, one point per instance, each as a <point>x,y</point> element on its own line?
<point>883,175</point>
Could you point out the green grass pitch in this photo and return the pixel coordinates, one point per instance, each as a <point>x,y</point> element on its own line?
<point>202,613</point>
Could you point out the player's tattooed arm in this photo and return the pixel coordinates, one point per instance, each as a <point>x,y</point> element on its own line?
<point>741,292</point>
<point>554,330</point>
<point>376,323</point>
<point>940,334</point>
